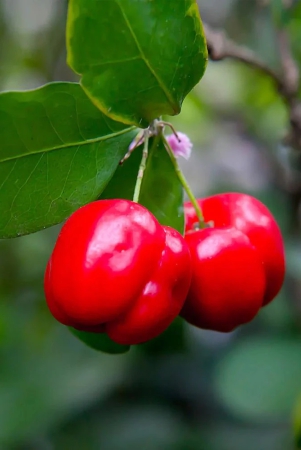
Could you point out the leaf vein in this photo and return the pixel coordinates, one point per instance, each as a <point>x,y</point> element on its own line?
<point>52,126</point>
<point>116,61</point>
<point>8,175</point>
<point>21,187</point>
<point>73,144</point>
<point>147,62</point>
<point>69,171</point>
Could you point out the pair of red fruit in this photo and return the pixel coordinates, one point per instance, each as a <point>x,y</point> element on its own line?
<point>116,270</point>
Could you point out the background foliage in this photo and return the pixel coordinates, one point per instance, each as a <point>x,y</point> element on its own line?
<point>189,389</point>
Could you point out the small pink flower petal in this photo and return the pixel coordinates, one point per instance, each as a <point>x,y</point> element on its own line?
<point>180,147</point>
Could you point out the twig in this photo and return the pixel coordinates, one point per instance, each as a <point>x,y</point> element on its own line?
<point>287,82</point>
<point>290,70</point>
<point>221,47</point>
<point>141,167</point>
<point>291,82</point>
<point>201,221</point>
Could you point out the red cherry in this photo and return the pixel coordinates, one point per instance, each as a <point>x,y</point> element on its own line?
<point>251,217</point>
<point>228,280</point>
<point>113,267</point>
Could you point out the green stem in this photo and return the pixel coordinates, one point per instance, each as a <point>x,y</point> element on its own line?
<point>141,167</point>
<point>184,183</point>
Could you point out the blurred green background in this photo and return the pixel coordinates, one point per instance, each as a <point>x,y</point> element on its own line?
<point>189,389</point>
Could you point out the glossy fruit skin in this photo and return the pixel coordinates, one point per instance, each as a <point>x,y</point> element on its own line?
<point>228,279</point>
<point>250,216</point>
<point>115,269</point>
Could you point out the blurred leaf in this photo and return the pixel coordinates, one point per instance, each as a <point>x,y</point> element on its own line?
<point>283,11</point>
<point>170,341</point>
<point>294,28</point>
<point>293,257</point>
<point>100,341</point>
<point>42,384</point>
<point>297,423</point>
<point>57,153</point>
<point>146,426</point>
<point>260,378</point>
<point>132,65</point>
<point>262,107</point>
<point>140,426</point>
<point>235,435</point>
<point>279,316</point>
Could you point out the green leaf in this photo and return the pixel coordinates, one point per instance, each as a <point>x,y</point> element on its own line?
<point>283,13</point>
<point>172,340</point>
<point>99,341</point>
<point>122,184</point>
<point>138,59</point>
<point>161,191</point>
<point>58,152</point>
<point>260,378</point>
<point>57,378</point>
<point>297,422</point>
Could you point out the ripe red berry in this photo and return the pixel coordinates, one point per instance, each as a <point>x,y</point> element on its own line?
<point>251,217</point>
<point>228,279</point>
<point>115,269</point>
